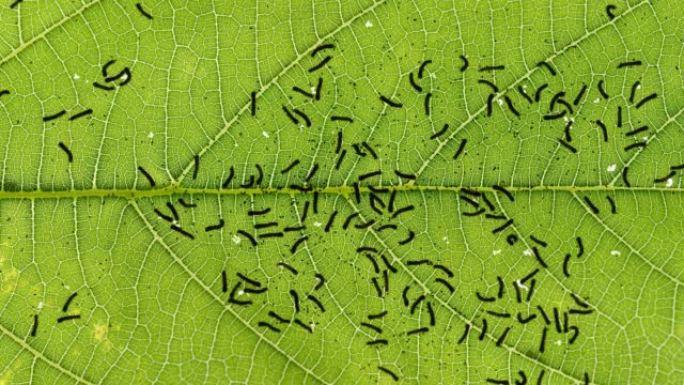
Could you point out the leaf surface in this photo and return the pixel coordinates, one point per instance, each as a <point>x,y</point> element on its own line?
<point>192,193</point>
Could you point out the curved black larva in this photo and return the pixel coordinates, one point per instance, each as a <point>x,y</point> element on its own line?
<point>524,94</point>
<point>421,70</point>
<point>182,231</point>
<point>142,11</point>
<point>580,94</point>
<point>548,67</point>
<point>390,102</point>
<point>81,114</point>
<point>566,131</point>
<point>70,156</point>
<point>413,83</point>
<point>54,116</point>
<point>490,84</point>
<point>537,94</point>
<point>602,90</point>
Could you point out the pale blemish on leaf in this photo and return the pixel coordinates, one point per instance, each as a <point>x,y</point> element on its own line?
<point>9,279</point>
<point>100,334</point>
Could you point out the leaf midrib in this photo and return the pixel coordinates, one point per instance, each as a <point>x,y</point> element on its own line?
<point>341,190</point>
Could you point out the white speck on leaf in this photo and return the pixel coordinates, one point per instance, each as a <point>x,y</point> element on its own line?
<point>236,239</point>
<point>520,285</point>
<point>612,167</point>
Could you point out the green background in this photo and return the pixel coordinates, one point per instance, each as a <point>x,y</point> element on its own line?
<point>150,300</point>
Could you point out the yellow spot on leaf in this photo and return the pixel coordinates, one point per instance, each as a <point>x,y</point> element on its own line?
<point>100,333</point>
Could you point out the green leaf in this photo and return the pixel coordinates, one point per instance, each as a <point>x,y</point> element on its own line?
<point>595,248</point>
